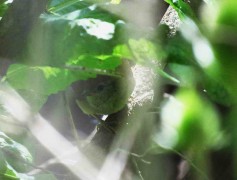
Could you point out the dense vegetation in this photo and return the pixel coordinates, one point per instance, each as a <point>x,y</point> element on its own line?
<point>188,132</point>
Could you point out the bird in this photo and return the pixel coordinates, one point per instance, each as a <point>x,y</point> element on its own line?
<point>105,94</point>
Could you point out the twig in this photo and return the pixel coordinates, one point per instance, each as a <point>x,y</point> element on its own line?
<point>71,121</point>
<point>137,168</point>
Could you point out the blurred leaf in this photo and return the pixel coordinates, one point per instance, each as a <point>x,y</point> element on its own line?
<point>3,9</point>
<point>201,46</point>
<point>200,126</point>
<point>15,154</point>
<point>144,51</point>
<point>9,174</point>
<point>122,51</point>
<point>227,12</point>
<point>189,122</point>
<point>177,53</point>
<point>165,75</point>
<point>115,1</point>
<point>224,37</point>
<point>182,73</point>
<point>217,91</point>
<point>203,52</point>
<point>3,164</point>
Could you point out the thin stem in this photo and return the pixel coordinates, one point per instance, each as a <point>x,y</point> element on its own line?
<point>137,168</point>
<point>191,163</point>
<point>71,121</point>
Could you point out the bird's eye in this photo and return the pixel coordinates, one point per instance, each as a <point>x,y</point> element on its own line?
<point>100,87</point>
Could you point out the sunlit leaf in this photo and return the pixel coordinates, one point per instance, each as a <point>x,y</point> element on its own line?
<point>43,79</point>
<point>97,28</point>
<point>115,1</point>
<point>123,51</point>
<point>10,173</point>
<point>99,62</point>
<point>188,121</point>
<point>58,39</point>
<point>144,51</point>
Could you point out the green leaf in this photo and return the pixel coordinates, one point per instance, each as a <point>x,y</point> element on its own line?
<point>200,122</point>
<point>220,85</point>
<point>10,174</point>
<point>223,38</point>
<point>43,79</point>
<point>165,75</point>
<point>182,8</point>
<point>189,122</point>
<point>36,83</point>
<point>144,51</point>
<point>3,8</point>
<point>97,62</point>
<point>182,73</point>
<point>202,49</point>
<point>122,51</point>
<point>217,91</point>
<point>58,39</point>
<point>15,154</point>
<point>115,1</point>
<point>177,53</point>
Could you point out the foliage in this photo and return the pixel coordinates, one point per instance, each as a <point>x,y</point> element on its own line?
<point>181,7</point>
<point>63,60</point>
<point>77,40</point>
<point>15,160</point>
<point>3,7</point>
